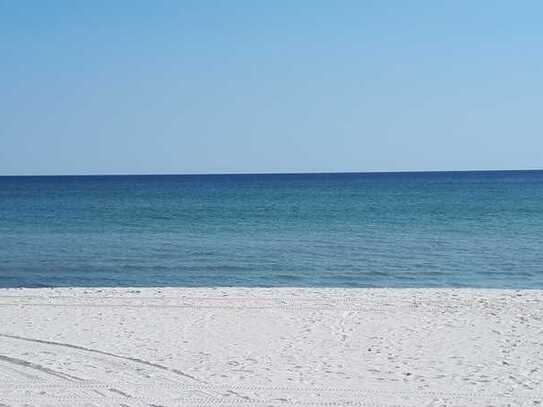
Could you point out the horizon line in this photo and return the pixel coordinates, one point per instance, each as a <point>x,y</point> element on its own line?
<point>265,173</point>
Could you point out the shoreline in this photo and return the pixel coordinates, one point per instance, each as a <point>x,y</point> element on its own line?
<point>271,346</point>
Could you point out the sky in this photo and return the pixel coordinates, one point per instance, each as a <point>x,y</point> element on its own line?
<point>137,87</point>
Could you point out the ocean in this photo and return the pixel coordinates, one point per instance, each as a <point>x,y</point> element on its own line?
<point>423,229</point>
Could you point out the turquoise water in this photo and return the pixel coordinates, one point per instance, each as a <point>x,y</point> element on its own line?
<point>477,229</point>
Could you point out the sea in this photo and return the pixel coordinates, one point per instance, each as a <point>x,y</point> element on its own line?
<point>408,229</point>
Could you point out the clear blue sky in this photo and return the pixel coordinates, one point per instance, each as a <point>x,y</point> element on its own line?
<point>278,86</point>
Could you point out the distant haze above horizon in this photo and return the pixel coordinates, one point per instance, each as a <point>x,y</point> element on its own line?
<point>253,87</point>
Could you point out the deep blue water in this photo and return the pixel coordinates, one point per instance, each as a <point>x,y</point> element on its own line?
<point>477,229</point>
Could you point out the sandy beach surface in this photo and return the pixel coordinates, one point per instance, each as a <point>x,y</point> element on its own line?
<point>270,347</point>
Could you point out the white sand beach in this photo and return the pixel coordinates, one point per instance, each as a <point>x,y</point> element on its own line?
<point>270,347</point>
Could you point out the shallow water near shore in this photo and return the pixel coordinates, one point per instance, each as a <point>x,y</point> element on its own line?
<point>440,229</point>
